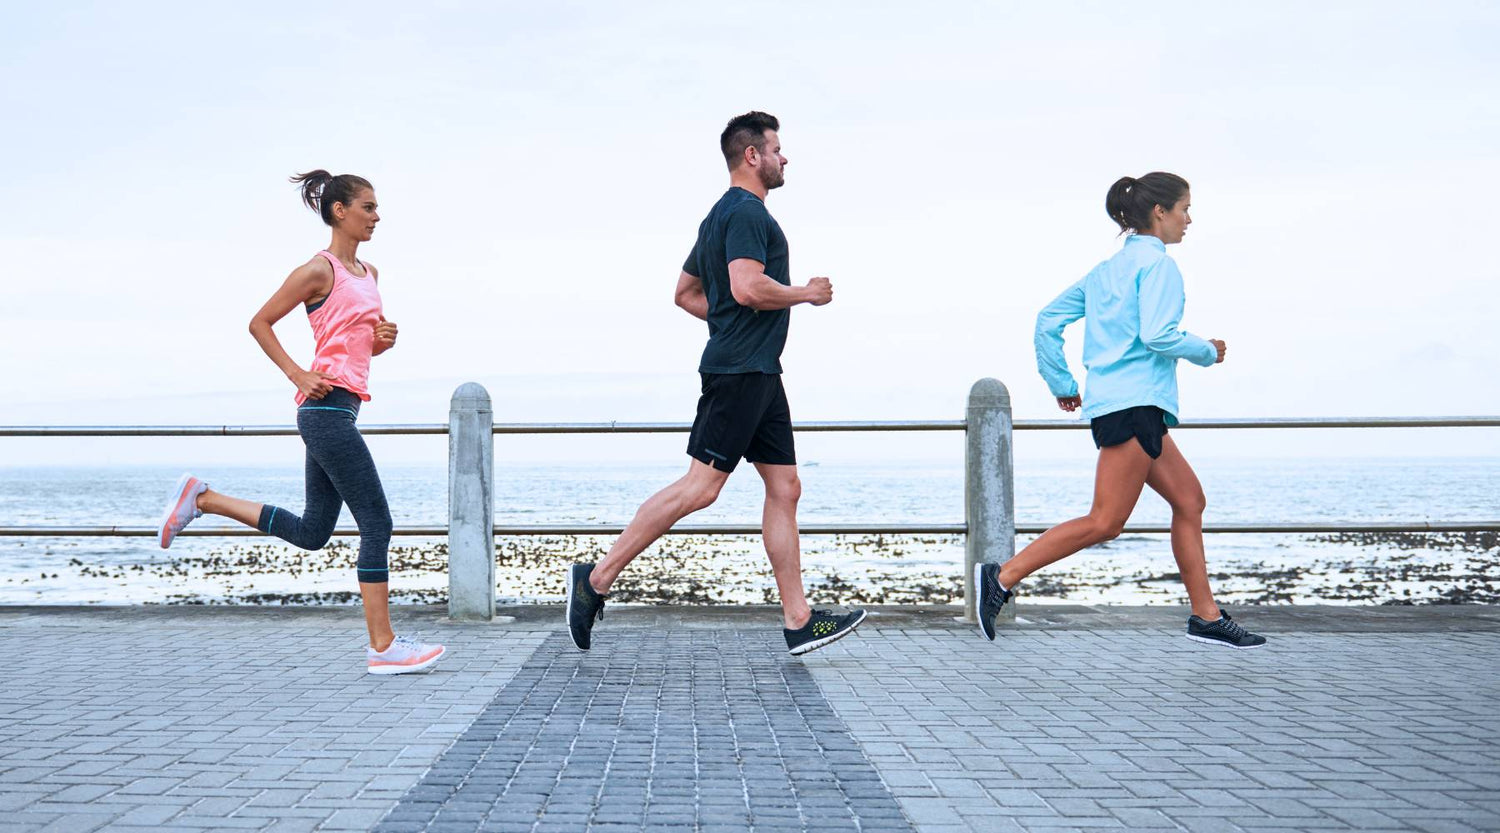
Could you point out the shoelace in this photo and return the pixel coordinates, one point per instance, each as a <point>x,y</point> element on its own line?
<point>409,641</point>
<point>1231,627</point>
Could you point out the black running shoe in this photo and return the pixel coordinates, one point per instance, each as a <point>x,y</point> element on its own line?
<point>584,605</point>
<point>1223,631</point>
<point>824,627</point>
<point>991,596</point>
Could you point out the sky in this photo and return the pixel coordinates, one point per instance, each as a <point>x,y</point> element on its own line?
<point>542,167</point>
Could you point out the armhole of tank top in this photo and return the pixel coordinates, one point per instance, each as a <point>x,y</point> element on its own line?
<point>312,308</point>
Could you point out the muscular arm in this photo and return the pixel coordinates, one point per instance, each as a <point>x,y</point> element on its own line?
<point>308,282</point>
<point>690,296</point>
<point>752,287</point>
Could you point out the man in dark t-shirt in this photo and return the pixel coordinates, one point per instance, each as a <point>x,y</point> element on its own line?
<point>737,279</point>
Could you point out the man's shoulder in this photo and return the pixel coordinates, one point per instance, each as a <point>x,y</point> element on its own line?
<point>741,203</point>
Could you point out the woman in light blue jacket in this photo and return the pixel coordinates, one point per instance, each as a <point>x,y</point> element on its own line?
<point>1132,305</point>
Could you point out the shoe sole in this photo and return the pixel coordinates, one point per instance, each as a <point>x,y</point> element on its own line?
<point>1221,643</point>
<point>979,608</point>
<point>568,611</point>
<point>388,670</point>
<point>173,501</point>
<point>828,640</point>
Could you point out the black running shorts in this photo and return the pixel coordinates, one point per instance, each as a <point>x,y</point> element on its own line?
<point>742,415</point>
<point>1146,423</point>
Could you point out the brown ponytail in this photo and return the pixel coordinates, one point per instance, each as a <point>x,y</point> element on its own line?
<point>1130,200</point>
<point>321,189</point>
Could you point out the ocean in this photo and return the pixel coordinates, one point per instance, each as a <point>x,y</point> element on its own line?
<point>838,569</point>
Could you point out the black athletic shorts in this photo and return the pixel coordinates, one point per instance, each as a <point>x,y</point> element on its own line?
<point>1146,423</point>
<point>742,415</point>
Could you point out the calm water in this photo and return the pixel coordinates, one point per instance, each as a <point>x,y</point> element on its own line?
<point>134,570</point>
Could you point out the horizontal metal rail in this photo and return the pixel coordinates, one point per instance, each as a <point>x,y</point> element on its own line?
<point>684,427</point>
<point>754,529</point>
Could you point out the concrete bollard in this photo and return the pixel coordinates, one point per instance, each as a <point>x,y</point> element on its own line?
<point>471,504</point>
<point>989,487</point>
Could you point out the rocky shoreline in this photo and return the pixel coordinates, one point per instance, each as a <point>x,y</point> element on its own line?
<point>1357,568</point>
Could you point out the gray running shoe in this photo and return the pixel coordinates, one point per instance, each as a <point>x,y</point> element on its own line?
<point>823,628</point>
<point>1222,631</point>
<point>991,597</point>
<point>584,605</point>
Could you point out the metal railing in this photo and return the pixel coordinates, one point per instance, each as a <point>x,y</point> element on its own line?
<point>989,524</point>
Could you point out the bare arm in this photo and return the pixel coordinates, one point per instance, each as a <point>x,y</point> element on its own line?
<point>752,287</point>
<point>690,296</point>
<point>307,282</point>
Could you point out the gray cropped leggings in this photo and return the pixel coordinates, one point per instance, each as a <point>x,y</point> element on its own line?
<point>339,470</point>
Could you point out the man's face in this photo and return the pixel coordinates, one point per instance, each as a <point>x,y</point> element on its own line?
<point>769,164</point>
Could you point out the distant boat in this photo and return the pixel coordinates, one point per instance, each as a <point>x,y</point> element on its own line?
<point>809,464</point>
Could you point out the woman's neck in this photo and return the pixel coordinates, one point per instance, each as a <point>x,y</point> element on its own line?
<point>344,248</point>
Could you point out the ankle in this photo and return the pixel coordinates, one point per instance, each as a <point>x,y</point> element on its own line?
<point>382,644</point>
<point>1214,613</point>
<point>794,623</point>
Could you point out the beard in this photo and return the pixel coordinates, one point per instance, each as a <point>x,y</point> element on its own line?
<point>772,178</point>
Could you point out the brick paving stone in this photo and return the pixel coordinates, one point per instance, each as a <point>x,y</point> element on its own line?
<point>702,730</point>
<point>186,736</point>
<point>1318,731</point>
<point>1353,719</point>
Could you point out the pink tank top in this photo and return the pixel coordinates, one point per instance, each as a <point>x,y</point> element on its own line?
<point>343,326</point>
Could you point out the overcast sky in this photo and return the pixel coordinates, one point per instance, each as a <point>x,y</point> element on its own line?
<point>542,168</point>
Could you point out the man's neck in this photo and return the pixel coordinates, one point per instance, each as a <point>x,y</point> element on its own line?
<point>749,181</point>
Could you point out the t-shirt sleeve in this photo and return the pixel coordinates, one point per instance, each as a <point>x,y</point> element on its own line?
<point>690,265</point>
<point>747,233</point>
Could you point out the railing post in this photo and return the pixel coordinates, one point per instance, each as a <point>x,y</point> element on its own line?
<point>471,504</point>
<point>989,486</point>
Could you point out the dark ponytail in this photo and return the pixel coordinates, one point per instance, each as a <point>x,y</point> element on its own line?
<point>321,189</point>
<point>1130,200</point>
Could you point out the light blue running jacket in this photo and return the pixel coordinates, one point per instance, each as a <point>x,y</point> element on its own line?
<point>1133,304</point>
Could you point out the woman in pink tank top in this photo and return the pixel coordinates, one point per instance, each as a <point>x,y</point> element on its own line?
<point>342,298</point>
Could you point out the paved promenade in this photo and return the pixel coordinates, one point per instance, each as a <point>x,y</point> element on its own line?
<point>694,719</point>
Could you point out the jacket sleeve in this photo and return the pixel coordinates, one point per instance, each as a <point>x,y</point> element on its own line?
<point>1050,322</point>
<point>1161,304</point>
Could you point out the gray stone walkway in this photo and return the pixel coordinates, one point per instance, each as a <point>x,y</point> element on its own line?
<point>216,719</point>
<point>695,719</point>
<point>665,730</point>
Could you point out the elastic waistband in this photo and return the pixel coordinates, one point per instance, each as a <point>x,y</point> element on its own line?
<point>337,399</point>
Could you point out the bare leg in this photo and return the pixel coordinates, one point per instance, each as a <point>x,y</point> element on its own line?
<point>778,529</point>
<point>245,511</point>
<point>1118,481</point>
<point>377,602</point>
<point>696,490</point>
<point>1173,479</point>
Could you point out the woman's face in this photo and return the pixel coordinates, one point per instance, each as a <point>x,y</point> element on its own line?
<point>358,218</point>
<point>1171,225</point>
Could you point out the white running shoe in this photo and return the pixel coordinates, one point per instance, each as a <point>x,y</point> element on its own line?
<point>406,655</point>
<point>182,508</point>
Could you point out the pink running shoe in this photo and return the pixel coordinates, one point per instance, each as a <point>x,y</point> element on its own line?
<point>182,508</point>
<point>405,656</point>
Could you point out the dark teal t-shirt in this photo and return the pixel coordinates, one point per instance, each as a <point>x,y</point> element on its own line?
<point>740,339</point>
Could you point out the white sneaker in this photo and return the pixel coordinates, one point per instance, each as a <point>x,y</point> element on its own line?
<point>182,508</point>
<point>405,656</point>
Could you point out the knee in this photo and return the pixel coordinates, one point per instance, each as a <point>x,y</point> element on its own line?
<point>1106,529</point>
<point>1193,506</point>
<point>702,496</point>
<point>381,525</point>
<point>784,491</point>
